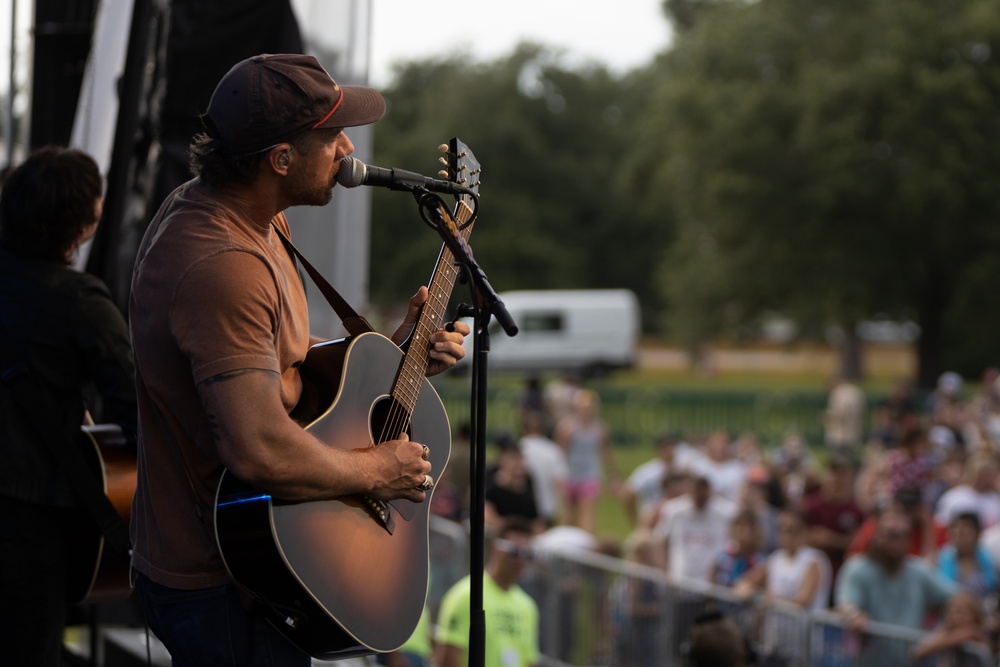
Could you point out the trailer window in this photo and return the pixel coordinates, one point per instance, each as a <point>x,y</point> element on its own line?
<point>542,322</point>
<point>533,322</point>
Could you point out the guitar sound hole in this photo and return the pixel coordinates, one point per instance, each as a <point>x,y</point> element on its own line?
<point>388,420</point>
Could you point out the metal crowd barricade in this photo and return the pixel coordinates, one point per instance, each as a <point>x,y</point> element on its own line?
<point>449,558</point>
<point>599,611</point>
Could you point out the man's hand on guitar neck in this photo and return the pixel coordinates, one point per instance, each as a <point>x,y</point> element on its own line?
<point>445,346</point>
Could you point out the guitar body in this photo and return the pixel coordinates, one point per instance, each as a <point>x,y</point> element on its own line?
<point>329,574</point>
<point>96,573</point>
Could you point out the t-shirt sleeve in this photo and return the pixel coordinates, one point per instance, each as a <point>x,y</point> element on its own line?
<point>225,315</point>
<point>850,585</point>
<point>668,527</point>
<point>453,618</point>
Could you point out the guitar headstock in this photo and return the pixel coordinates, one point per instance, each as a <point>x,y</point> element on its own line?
<point>462,167</point>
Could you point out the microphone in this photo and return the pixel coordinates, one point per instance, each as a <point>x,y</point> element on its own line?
<point>353,172</point>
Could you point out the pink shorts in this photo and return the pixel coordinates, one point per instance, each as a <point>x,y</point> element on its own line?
<point>583,489</point>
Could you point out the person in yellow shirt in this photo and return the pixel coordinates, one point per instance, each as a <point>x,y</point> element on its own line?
<point>511,635</point>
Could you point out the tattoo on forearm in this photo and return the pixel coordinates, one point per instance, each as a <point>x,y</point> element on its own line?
<point>222,377</point>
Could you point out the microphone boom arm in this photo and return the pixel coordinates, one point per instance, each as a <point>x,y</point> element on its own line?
<point>435,213</point>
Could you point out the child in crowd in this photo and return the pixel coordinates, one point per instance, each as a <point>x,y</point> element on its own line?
<point>963,622</point>
<point>964,561</point>
<point>742,552</point>
<point>636,604</point>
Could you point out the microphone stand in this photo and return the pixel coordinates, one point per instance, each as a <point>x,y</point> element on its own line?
<point>485,305</point>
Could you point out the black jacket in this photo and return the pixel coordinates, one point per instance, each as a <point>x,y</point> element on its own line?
<point>63,326</point>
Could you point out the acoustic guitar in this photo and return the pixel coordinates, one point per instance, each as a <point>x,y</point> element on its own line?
<point>98,573</point>
<point>349,576</point>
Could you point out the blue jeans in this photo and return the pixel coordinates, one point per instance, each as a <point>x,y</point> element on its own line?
<point>210,627</point>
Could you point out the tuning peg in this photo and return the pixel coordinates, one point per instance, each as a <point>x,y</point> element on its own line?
<point>443,148</point>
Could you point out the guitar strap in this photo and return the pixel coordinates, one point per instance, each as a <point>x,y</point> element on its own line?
<point>354,323</point>
<point>24,384</point>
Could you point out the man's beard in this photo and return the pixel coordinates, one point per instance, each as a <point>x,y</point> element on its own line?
<point>304,194</point>
<point>891,563</point>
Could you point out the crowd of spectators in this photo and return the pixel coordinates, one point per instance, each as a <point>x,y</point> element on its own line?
<point>894,517</point>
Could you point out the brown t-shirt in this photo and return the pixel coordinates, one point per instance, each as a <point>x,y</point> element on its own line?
<point>212,292</point>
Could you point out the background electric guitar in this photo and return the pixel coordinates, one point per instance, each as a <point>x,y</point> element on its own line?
<point>97,572</point>
<point>349,576</point>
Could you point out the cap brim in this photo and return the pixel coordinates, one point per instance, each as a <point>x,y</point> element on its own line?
<point>361,106</point>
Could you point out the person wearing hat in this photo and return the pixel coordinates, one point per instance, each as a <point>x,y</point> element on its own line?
<point>220,327</point>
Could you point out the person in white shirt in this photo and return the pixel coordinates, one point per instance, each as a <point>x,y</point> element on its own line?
<point>724,473</point>
<point>644,487</point>
<point>694,530</point>
<point>794,573</point>
<point>546,462</point>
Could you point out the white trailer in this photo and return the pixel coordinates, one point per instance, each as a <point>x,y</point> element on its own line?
<point>589,332</point>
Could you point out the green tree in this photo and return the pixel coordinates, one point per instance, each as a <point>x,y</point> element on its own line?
<point>831,161</point>
<point>556,211</point>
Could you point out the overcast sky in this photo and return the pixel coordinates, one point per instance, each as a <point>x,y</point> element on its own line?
<point>621,34</point>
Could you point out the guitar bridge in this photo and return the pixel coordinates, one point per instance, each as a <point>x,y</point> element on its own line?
<point>382,511</point>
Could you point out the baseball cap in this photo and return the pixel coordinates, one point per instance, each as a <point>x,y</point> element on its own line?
<point>265,99</point>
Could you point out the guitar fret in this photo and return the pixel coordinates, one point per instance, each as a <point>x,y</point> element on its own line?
<point>414,366</point>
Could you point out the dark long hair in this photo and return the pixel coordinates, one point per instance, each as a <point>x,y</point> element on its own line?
<point>47,202</point>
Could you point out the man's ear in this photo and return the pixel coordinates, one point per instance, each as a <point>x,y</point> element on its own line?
<point>280,157</point>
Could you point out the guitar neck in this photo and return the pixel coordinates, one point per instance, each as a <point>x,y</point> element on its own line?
<point>411,374</point>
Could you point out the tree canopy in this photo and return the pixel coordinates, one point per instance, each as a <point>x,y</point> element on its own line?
<point>551,141</point>
<point>825,161</point>
<point>831,161</point>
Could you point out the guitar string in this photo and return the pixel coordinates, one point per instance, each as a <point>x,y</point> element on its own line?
<point>408,388</point>
<point>443,283</point>
<point>416,361</point>
<point>401,409</point>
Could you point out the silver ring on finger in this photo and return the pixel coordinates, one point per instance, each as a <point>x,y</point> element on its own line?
<point>427,483</point>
